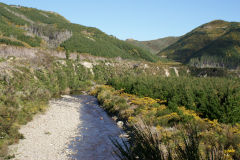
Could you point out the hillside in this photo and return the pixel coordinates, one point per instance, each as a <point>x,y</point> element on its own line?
<point>44,56</point>
<point>154,46</point>
<point>215,44</point>
<point>29,27</point>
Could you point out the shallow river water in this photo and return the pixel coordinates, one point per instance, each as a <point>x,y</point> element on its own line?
<point>92,141</point>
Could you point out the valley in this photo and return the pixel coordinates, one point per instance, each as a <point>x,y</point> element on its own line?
<point>65,88</point>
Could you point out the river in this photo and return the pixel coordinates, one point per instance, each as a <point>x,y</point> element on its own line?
<point>73,127</point>
<point>92,142</point>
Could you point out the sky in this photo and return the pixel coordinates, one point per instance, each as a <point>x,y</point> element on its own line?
<point>139,19</point>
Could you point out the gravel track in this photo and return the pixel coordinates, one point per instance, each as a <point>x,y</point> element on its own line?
<point>47,136</point>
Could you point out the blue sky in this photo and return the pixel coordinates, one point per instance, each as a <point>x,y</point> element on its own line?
<point>140,19</point>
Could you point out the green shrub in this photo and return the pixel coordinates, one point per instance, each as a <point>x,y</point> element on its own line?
<point>213,98</point>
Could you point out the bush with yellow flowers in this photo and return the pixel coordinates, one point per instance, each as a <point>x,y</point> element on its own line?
<point>220,140</point>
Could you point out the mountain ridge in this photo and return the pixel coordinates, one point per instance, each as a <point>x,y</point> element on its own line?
<point>215,43</point>
<point>30,27</point>
<point>154,46</point>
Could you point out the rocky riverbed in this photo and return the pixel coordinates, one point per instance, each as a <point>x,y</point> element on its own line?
<point>74,127</point>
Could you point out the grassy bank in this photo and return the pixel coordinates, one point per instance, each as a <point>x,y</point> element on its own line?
<point>170,125</point>
<point>26,88</point>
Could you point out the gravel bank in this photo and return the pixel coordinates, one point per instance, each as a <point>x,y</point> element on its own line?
<point>48,135</point>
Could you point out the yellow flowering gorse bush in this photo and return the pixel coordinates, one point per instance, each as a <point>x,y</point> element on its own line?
<point>156,113</point>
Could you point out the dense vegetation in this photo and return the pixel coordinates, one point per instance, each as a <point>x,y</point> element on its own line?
<point>36,28</point>
<point>169,105</point>
<point>164,132</point>
<point>91,40</point>
<point>218,40</point>
<point>186,114</point>
<point>144,144</point>
<point>213,98</point>
<point>10,42</point>
<point>223,52</point>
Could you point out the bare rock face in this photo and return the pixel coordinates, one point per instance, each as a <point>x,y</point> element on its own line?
<point>7,51</point>
<point>167,72</point>
<point>21,52</point>
<point>88,65</point>
<point>49,34</point>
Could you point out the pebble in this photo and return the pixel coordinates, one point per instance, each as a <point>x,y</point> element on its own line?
<point>61,120</point>
<point>120,124</point>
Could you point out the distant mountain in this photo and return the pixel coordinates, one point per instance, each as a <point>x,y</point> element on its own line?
<point>154,46</point>
<point>215,45</point>
<point>29,27</point>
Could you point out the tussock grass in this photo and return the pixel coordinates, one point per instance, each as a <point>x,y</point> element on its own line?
<point>146,145</point>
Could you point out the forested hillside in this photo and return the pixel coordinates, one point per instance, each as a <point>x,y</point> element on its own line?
<point>29,27</point>
<point>154,46</point>
<point>214,45</point>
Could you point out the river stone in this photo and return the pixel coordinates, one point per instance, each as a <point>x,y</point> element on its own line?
<point>114,118</point>
<point>120,124</point>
